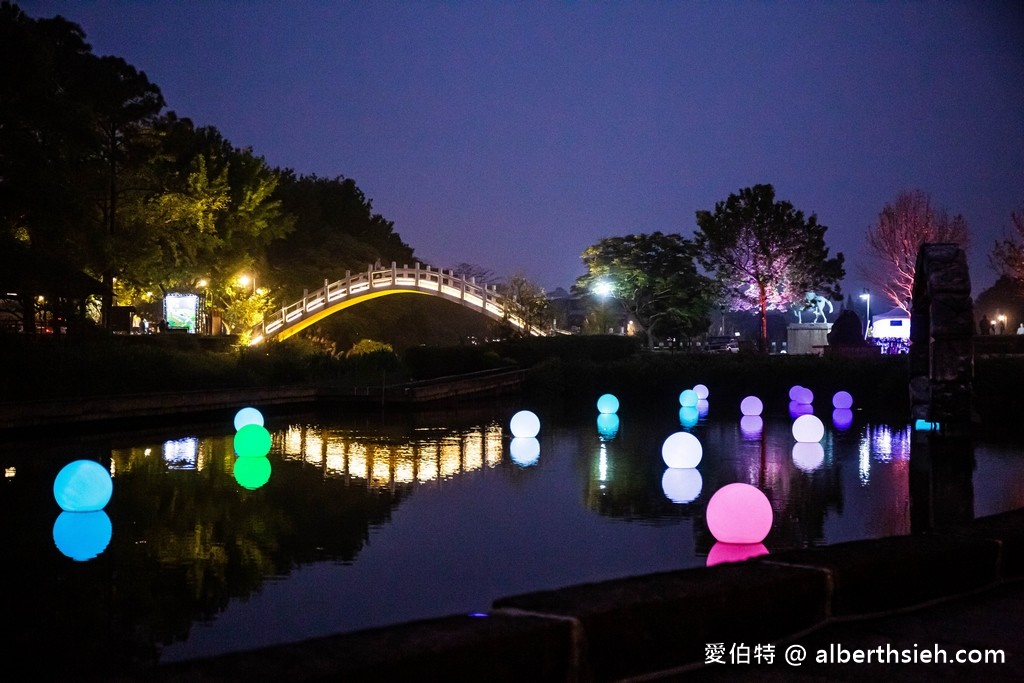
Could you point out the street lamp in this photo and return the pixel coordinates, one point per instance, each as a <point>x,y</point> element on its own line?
<point>866,296</point>
<point>244,280</point>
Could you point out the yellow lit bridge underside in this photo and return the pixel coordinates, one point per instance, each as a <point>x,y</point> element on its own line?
<point>331,310</point>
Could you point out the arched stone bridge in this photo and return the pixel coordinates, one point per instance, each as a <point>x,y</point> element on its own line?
<point>377,282</point>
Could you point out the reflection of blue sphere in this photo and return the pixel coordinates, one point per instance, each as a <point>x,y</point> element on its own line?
<point>751,425</point>
<point>796,409</point>
<point>682,449</point>
<point>702,407</point>
<point>525,451</point>
<point>607,403</point>
<point>689,416</point>
<point>681,485</point>
<point>842,419</point>
<point>608,425</point>
<point>524,424</point>
<point>688,398</point>
<point>82,535</point>
<point>83,486</point>
<point>248,416</point>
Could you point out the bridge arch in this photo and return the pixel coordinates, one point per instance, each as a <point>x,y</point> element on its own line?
<point>377,282</point>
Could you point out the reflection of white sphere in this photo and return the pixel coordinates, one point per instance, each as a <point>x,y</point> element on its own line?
<point>739,513</point>
<point>248,416</point>
<point>688,399</point>
<point>702,408</point>
<point>804,395</point>
<point>682,449</point>
<point>525,424</point>
<point>842,418</point>
<point>751,405</point>
<point>751,425</point>
<point>607,403</point>
<point>688,416</point>
<point>808,428</point>
<point>808,456</point>
<point>681,485</point>
<point>702,391</point>
<point>734,552</point>
<point>842,400</point>
<point>83,486</point>
<point>524,450</point>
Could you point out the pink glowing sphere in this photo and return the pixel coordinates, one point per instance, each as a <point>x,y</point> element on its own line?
<point>842,400</point>
<point>734,552</point>
<point>739,513</point>
<point>751,405</point>
<point>808,428</point>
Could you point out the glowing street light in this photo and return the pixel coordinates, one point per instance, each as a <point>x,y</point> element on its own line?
<point>603,288</point>
<point>245,279</point>
<point>866,296</point>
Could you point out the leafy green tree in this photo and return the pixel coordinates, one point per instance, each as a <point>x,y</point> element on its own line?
<point>526,300</point>
<point>655,278</point>
<point>764,253</point>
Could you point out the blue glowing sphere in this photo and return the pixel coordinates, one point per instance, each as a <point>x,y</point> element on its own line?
<point>607,403</point>
<point>681,485</point>
<point>842,400</point>
<point>607,425</point>
<point>682,449</point>
<point>83,486</point>
<point>524,450</point>
<point>248,416</point>
<point>82,535</point>
<point>688,398</point>
<point>524,424</point>
<point>751,405</point>
<point>689,416</point>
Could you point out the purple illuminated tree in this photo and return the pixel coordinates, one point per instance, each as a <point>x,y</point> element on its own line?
<point>765,254</point>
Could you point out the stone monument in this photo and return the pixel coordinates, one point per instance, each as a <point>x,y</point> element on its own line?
<point>810,337</point>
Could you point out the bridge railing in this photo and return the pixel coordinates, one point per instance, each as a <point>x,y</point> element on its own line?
<point>417,278</point>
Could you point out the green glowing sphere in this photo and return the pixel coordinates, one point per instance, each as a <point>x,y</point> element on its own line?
<point>252,473</point>
<point>252,441</point>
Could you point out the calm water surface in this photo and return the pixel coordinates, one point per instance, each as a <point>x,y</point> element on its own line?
<point>372,520</point>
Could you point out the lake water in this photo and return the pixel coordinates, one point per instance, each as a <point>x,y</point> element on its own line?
<point>373,519</point>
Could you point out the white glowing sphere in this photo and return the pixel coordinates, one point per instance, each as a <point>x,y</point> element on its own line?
<point>702,391</point>
<point>248,416</point>
<point>688,398</point>
<point>689,416</point>
<point>751,405</point>
<point>842,400</point>
<point>681,485</point>
<point>808,456</point>
<point>607,403</point>
<point>739,513</point>
<point>794,391</point>
<point>808,429</point>
<point>83,486</point>
<point>524,450</point>
<point>734,552</point>
<point>804,395</point>
<point>682,449</point>
<point>608,425</point>
<point>842,418</point>
<point>82,535</point>
<point>751,426</point>
<point>524,424</point>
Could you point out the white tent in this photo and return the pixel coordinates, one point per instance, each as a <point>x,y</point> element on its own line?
<point>895,323</point>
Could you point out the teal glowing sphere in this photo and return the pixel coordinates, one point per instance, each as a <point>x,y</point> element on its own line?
<point>524,424</point>
<point>252,472</point>
<point>83,486</point>
<point>688,398</point>
<point>607,425</point>
<point>524,450</point>
<point>607,403</point>
<point>82,535</point>
<point>682,449</point>
<point>248,416</point>
<point>252,441</point>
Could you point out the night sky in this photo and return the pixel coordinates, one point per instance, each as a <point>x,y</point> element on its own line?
<point>512,135</point>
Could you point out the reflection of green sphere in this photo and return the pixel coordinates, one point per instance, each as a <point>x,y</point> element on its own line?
<point>252,440</point>
<point>252,473</point>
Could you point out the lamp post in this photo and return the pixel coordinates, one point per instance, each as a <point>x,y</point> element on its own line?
<point>245,279</point>
<point>866,296</point>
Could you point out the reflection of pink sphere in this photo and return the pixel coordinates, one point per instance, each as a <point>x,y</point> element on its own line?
<point>734,552</point>
<point>751,405</point>
<point>739,513</point>
<point>808,428</point>
<point>842,400</point>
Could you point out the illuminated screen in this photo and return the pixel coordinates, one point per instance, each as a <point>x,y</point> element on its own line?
<point>180,311</point>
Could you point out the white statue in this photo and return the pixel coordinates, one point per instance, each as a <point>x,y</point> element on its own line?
<point>813,302</point>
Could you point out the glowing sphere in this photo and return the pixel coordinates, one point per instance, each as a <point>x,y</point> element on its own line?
<point>524,424</point>
<point>751,405</point>
<point>83,486</point>
<point>607,403</point>
<point>682,449</point>
<point>739,513</point>
<point>702,407</point>
<point>688,399</point>
<point>702,391</point>
<point>794,392</point>
<point>252,441</point>
<point>82,535</point>
<point>804,395</point>
<point>252,472</point>
<point>842,400</point>
<point>808,456</point>
<point>689,416</point>
<point>681,485</point>
<point>842,418</point>
<point>796,409</point>
<point>734,552</point>
<point>751,426</point>
<point>248,416</point>
<point>808,429</point>
<point>525,450</point>
<point>607,425</point>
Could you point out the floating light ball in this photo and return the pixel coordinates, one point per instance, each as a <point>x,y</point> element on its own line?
<point>682,449</point>
<point>248,416</point>
<point>751,426</point>
<point>524,424</point>
<point>739,513</point>
<point>689,416</point>
<point>702,407</point>
<point>804,395</point>
<point>842,418</point>
<point>794,391</point>
<point>607,425</point>
<point>82,535</point>
<point>702,391</point>
<point>796,409</point>
<point>808,456</point>
<point>524,450</point>
<point>252,441</point>
<point>688,398</point>
<point>607,403</point>
<point>681,485</point>
<point>734,552</point>
<point>252,472</point>
<point>842,400</point>
<point>808,428</point>
<point>751,405</point>
<point>82,486</point>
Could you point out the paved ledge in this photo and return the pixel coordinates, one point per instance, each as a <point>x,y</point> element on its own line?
<point>655,626</point>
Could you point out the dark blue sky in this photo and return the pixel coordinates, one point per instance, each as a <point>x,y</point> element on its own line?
<point>515,134</point>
